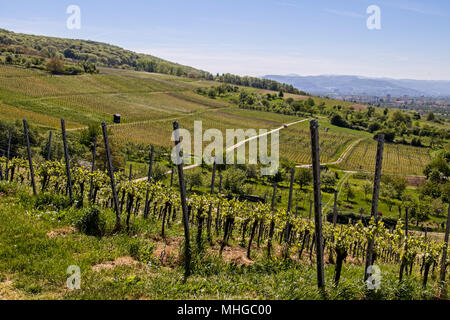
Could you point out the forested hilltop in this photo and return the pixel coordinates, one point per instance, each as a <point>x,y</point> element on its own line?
<point>73,56</point>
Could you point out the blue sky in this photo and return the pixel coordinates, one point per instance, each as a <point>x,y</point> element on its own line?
<point>251,37</point>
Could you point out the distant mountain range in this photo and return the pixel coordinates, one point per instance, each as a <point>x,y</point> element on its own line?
<point>356,85</point>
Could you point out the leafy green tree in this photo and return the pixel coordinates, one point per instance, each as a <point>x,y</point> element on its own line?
<point>159,171</point>
<point>310,102</point>
<point>397,183</point>
<point>303,177</point>
<point>87,135</point>
<point>337,120</point>
<point>387,190</point>
<point>193,179</point>
<point>439,163</point>
<point>234,181</point>
<point>328,178</point>
<point>366,188</point>
<point>348,191</point>
<point>55,66</point>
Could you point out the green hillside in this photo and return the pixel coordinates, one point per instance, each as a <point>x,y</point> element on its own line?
<point>32,48</point>
<point>74,56</point>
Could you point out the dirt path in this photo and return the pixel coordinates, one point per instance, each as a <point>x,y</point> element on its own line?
<point>237,145</point>
<point>341,157</point>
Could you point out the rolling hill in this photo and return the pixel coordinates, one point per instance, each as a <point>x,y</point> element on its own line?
<point>356,85</point>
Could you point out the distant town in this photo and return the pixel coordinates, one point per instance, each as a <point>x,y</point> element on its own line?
<point>423,105</point>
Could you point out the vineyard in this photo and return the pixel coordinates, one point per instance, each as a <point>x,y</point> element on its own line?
<point>217,220</point>
<point>93,98</point>
<point>399,159</point>
<point>149,102</point>
<point>295,144</point>
<point>159,132</point>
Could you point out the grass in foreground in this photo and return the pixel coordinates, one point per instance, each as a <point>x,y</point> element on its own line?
<point>37,247</point>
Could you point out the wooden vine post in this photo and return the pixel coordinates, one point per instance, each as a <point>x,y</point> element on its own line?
<point>272,222</point>
<point>8,152</point>
<point>149,178</point>
<point>66,158</point>
<point>209,222</point>
<point>49,145</point>
<point>287,228</point>
<point>30,159</point>
<point>335,208</point>
<point>179,159</point>
<point>314,128</point>
<point>111,176</point>
<point>94,154</point>
<point>289,207</point>
<point>403,264</point>
<point>375,197</point>
<point>442,283</point>
<point>218,207</point>
<point>310,209</point>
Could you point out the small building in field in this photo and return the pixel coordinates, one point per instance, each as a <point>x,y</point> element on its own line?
<point>117,118</point>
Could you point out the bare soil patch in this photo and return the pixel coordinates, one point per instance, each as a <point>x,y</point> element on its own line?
<point>122,261</point>
<point>237,255</point>
<point>416,181</point>
<point>167,252</point>
<point>8,292</point>
<point>63,232</point>
<point>358,107</point>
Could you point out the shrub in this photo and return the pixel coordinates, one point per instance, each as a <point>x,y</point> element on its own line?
<point>91,222</point>
<point>337,120</point>
<point>142,251</point>
<point>8,188</point>
<point>53,201</point>
<point>55,66</point>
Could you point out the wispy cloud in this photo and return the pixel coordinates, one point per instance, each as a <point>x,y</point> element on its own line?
<point>415,7</point>
<point>344,13</point>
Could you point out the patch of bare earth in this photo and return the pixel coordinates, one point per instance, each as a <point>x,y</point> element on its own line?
<point>109,265</point>
<point>63,232</point>
<point>167,251</point>
<point>416,181</point>
<point>8,292</point>
<point>358,107</point>
<point>237,255</point>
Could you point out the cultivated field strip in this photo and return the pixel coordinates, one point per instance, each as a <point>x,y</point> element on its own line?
<point>295,144</point>
<point>160,132</point>
<point>86,99</point>
<point>398,159</point>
